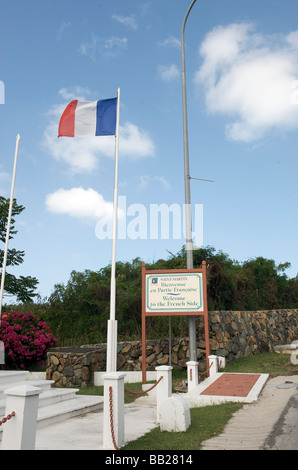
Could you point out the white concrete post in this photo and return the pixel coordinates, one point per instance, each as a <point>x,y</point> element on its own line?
<point>175,415</point>
<point>221,362</point>
<point>192,375</point>
<point>113,410</point>
<point>213,364</point>
<point>19,432</point>
<point>164,388</point>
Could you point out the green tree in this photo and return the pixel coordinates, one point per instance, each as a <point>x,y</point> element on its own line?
<point>267,286</point>
<point>78,310</point>
<point>22,287</point>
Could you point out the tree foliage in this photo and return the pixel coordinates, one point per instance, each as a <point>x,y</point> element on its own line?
<point>22,287</point>
<point>78,310</point>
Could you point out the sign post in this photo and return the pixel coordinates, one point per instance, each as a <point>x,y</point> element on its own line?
<point>173,292</point>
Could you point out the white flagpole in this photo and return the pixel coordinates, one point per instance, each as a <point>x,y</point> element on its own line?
<point>8,222</point>
<point>111,364</point>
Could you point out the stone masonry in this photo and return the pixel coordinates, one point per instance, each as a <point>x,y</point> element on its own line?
<point>231,334</point>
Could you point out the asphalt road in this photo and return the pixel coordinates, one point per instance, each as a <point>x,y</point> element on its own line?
<point>285,433</point>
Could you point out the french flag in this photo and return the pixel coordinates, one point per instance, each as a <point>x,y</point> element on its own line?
<point>88,118</point>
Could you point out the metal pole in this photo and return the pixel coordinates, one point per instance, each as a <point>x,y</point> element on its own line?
<point>111,363</point>
<point>189,245</point>
<point>9,221</point>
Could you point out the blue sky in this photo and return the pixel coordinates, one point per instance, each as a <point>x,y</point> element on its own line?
<point>242,91</point>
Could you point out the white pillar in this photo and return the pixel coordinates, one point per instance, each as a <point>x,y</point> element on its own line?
<point>111,365</point>
<point>19,432</point>
<point>213,365</point>
<point>221,362</point>
<point>164,388</point>
<point>192,375</point>
<point>113,410</point>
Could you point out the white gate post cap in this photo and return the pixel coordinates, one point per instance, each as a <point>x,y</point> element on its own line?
<point>23,391</point>
<point>113,375</point>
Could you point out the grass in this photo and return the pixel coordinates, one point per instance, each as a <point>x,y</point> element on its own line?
<point>270,363</point>
<point>207,421</point>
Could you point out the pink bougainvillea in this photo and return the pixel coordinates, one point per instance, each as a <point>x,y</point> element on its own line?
<point>26,338</point>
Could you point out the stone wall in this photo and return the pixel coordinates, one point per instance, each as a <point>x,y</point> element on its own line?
<point>231,334</point>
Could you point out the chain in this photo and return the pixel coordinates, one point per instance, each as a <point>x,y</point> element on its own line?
<point>144,391</point>
<point>111,407</point>
<point>7,418</point>
<point>111,417</point>
<point>203,373</point>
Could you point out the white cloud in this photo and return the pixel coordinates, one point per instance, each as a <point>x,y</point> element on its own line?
<point>166,185</point>
<point>135,142</point>
<point>82,154</point>
<point>64,25</point>
<point>109,47</point>
<point>79,154</point>
<point>86,205</point>
<point>129,21</point>
<point>171,41</point>
<point>145,180</point>
<point>168,72</point>
<point>112,45</point>
<point>247,76</point>
<point>4,176</point>
<point>4,182</point>
<point>75,93</point>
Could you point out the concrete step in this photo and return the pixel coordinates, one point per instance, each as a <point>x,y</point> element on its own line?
<point>11,376</point>
<point>46,397</point>
<point>62,410</point>
<point>56,395</point>
<point>45,385</point>
<point>55,404</point>
<point>80,405</point>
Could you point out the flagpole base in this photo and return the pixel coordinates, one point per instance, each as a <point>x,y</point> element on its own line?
<point>111,365</point>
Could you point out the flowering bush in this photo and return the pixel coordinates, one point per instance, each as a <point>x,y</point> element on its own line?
<point>26,338</point>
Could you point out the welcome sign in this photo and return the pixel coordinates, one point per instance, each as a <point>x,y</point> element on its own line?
<point>174,292</point>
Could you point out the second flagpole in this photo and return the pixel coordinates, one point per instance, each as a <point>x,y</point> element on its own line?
<point>111,363</point>
<point>8,222</point>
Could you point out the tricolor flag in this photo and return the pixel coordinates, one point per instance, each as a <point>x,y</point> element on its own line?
<point>95,118</point>
<point>88,118</point>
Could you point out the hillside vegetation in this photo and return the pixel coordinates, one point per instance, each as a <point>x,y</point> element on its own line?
<point>77,311</point>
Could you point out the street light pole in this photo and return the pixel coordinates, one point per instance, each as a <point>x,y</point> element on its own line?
<point>189,244</point>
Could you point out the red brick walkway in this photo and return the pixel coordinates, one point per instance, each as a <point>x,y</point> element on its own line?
<point>232,385</point>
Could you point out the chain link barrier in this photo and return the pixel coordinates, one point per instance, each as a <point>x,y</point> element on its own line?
<point>3,420</point>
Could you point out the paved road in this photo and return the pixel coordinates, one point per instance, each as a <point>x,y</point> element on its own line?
<point>285,433</point>
<point>269,423</point>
